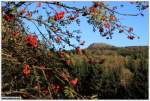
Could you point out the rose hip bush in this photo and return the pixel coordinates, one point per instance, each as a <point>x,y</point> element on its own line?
<point>35,63</point>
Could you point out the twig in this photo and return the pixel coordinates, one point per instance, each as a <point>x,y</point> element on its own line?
<point>119,12</point>
<point>18,92</point>
<point>39,88</point>
<point>36,67</point>
<point>49,88</point>
<point>65,6</point>
<point>52,8</point>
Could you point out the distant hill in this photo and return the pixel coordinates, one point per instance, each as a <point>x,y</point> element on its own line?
<point>100,45</point>
<point>99,51</point>
<point>102,48</point>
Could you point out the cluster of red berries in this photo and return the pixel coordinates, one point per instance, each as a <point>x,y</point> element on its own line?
<point>42,67</point>
<point>71,17</point>
<point>45,91</point>
<point>112,18</point>
<point>55,88</point>
<point>131,37</point>
<point>130,29</point>
<point>101,29</point>
<point>59,16</point>
<point>29,14</point>
<point>68,62</point>
<point>62,54</point>
<point>74,82</point>
<point>8,17</point>
<point>121,31</point>
<point>107,25</point>
<point>92,9</point>
<point>58,39</point>
<point>31,41</point>
<point>15,34</point>
<point>78,50</point>
<point>26,70</point>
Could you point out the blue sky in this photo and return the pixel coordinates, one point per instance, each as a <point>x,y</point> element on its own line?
<point>139,23</point>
